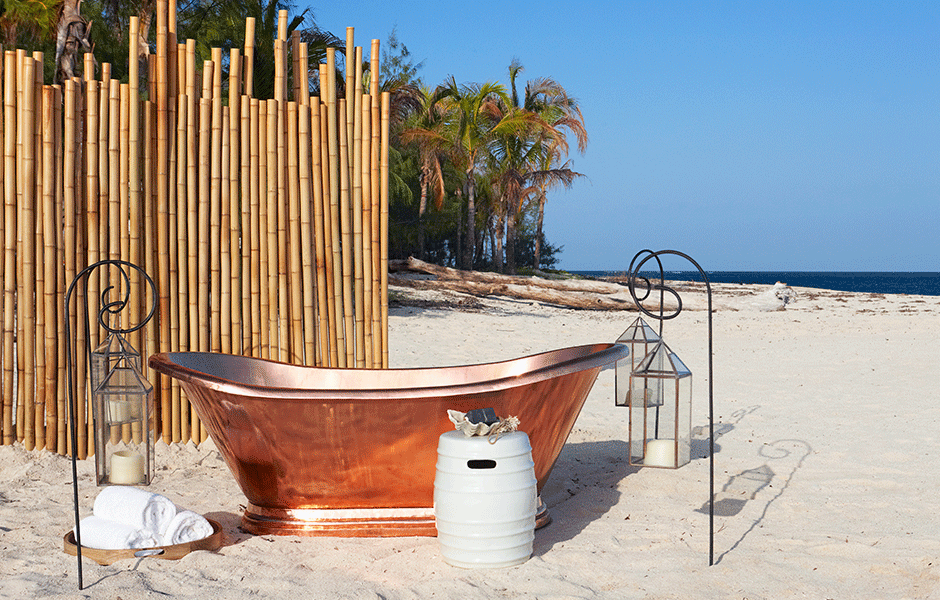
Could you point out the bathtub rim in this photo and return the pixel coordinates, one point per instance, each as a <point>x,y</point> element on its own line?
<point>603,354</point>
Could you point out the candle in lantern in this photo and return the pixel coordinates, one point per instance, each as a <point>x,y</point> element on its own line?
<point>660,453</point>
<point>127,467</point>
<point>119,410</point>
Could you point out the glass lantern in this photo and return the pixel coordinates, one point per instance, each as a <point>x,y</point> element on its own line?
<point>123,403</point>
<point>640,337</point>
<point>661,424</point>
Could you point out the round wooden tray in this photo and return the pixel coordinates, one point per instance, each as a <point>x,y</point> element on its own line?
<point>175,552</point>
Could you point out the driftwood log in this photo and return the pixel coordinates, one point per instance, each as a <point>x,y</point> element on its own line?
<point>569,293</point>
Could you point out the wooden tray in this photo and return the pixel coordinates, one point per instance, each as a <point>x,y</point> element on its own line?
<point>175,552</point>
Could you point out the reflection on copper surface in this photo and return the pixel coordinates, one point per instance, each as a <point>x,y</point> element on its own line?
<point>352,452</point>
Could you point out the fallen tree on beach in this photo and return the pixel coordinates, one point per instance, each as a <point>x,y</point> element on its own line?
<point>570,293</point>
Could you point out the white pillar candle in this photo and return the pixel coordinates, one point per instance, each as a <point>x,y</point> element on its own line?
<point>660,453</point>
<point>127,467</point>
<point>120,411</point>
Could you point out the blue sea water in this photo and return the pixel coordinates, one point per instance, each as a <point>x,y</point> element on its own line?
<point>922,284</point>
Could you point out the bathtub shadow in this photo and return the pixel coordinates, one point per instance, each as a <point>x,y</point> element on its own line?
<point>232,534</point>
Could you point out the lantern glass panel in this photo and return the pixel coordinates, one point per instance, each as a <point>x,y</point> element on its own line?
<point>123,406</point>
<point>640,337</point>
<point>661,427</point>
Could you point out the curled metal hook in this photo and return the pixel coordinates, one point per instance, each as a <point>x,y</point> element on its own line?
<point>648,287</point>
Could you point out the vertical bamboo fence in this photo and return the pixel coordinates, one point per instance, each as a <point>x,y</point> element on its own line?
<point>263,223</point>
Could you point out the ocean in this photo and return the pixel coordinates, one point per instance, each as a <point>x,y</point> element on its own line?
<point>921,284</point>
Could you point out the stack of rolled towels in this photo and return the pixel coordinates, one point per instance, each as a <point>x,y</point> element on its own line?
<point>128,517</point>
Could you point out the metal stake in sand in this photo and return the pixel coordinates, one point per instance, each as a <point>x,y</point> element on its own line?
<point>634,275</point>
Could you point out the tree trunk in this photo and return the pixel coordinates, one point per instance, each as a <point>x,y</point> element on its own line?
<point>471,219</point>
<point>498,250</point>
<point>71,35</point>
<point>595,295</point>
<point>422,208</point>
<point>538,233</point>
<point>511,243</point>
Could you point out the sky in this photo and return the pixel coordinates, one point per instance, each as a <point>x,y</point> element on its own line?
<point>770,135</point>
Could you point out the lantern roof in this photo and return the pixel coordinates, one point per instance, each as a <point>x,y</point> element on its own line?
<point>115,346</point>
<point>124,379</point>
<point>662,362</point>
<point>638,331</point>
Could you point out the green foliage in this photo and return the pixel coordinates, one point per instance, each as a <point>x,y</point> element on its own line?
<point>397,64</point>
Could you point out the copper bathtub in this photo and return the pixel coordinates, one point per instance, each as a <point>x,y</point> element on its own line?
<point>352,452</point>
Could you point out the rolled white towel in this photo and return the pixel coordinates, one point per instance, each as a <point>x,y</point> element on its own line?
<point>111,535</point>
<point>186,526</point>
<point>135,507</point>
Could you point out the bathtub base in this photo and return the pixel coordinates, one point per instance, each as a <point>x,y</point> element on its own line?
<point>363,522</point>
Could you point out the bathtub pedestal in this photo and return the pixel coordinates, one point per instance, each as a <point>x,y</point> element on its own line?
<point>356,522</point>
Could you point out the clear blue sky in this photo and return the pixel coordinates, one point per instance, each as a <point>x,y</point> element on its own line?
<point>750,135</point>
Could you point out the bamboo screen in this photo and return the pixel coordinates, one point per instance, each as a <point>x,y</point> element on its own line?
<point>263,223</point>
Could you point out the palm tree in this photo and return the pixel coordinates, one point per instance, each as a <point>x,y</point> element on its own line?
<point>550,175</point>
<point>525,161</point>
<point>475,121</point>
<point>426,131</point>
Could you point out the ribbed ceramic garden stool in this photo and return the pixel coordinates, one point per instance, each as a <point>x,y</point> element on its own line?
<point>485,499</point>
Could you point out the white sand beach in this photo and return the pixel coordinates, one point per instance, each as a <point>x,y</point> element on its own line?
<point>827,465</point>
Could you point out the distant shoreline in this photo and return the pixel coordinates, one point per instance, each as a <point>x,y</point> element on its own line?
<point>873,282</point>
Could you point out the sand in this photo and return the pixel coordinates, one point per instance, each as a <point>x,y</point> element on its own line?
<point>826,472</point>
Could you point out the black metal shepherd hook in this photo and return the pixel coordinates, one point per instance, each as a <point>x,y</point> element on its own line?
<point>107,308</point>
<point>645,256</point>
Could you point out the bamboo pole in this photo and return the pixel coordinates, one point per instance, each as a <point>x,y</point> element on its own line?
<point>215,204</point>
<point>71,247</point>
<point>9,236</point>
<point>303,73</point>
<point>249,56</point>
<point>271,131</point>
<point>263,238</point>
<point>365,174</point>
<point>383,231</point>
<point>192,205</point>
<point>283,204</point>
<point>307,248</point>
<point>48,264</point>
<point>135,200</point>
<point>124,199</point>
<point>234,143</point>
<point>331,303</point>
<point>225,269</point>
<point>347,243</point>
<point>113,195</point>
<point>205,221</point>
<point>254,222</point>
<point>333,120</point>
<point>2,266</point>
<point>319,236</point>
<point>245,224</point>
<point>180,299</point>
<point>27,227</point>
<point>358,254</point>
<point>20,322</point>
<point>59,257</point>
<point>94,214</point>
<point>163,211</point>
<point>378,333</point>
<point>349,96</point>
<point>147,260</point>
<point>204,243</point>
<point>295,282</point>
